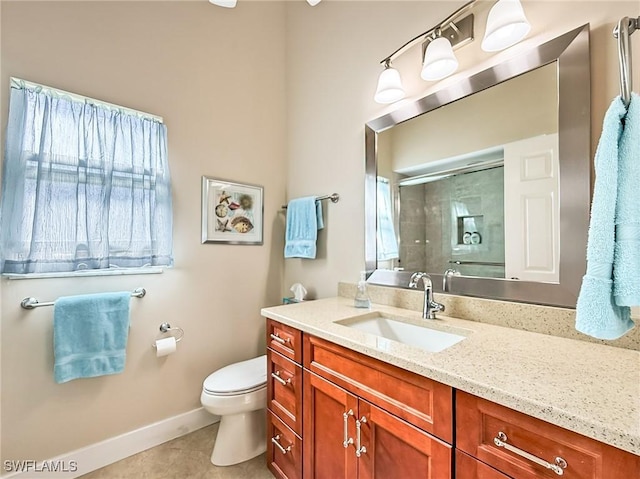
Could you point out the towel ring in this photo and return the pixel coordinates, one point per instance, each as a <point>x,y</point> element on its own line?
<point>166,328</point>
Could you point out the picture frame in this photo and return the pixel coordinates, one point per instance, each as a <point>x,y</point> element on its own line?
<point>232,213</point>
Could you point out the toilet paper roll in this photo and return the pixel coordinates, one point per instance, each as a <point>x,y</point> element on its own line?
<point>165,346</point>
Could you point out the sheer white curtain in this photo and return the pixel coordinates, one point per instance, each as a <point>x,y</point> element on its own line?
<point>385,232</point>
<point>84,186</point>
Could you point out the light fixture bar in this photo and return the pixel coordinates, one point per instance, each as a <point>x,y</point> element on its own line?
<point>443,26</point>
<point>459,33</point>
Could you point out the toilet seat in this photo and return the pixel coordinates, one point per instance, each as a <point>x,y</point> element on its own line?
<point>239,378</point>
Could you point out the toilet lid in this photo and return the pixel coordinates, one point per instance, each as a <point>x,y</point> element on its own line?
<point>238,377</point>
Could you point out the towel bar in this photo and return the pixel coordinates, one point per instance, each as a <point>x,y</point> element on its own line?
<point>31,303</point>
<point>334,197</point>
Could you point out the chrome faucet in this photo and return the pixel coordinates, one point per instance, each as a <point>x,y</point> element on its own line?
<point>430,306</point>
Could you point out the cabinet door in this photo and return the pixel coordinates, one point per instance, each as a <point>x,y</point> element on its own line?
<point>393,448</point>
<point>325,429</point>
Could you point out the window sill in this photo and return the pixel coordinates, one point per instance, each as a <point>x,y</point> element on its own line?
<point>85,273</point>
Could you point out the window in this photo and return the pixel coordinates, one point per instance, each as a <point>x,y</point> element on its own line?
<point>85,185</point>
<point>386,235</point>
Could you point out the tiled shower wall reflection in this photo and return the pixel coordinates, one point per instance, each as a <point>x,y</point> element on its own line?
<point>459,218</point>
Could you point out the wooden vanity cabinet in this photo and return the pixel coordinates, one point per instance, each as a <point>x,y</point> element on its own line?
<point>366,419</point>
<point>518,445</point>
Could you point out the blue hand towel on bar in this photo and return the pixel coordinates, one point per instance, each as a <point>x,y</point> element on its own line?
<point>304,219</point>
<point>597,314</point>
<point>90,335</point>
<point>626,262</point>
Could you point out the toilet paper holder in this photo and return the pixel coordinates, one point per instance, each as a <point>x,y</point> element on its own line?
<point>166,328</point>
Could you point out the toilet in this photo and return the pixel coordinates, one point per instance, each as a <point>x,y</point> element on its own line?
<point>238,394</point>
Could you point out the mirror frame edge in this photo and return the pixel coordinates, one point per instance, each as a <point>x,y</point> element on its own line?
<point>570,50</point>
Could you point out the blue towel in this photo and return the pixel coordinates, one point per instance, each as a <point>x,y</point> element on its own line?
<point>626,262</point>
<point>304,219</point>
<point>596,311</point>
<point>90,335</point>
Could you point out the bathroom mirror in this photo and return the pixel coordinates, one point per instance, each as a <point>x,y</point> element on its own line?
<point>489,177</point>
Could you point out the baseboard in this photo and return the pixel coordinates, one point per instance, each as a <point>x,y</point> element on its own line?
<point>87,459</point>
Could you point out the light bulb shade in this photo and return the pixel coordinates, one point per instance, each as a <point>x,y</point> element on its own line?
<point>224,3</point>
<point>389,86</point>
<point>439,60</point>
<point>506,26</point>
<point>313,3</point>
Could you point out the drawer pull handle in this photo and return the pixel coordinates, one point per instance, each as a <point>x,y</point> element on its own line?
<point>559,466</point>
<point>276,441</point>
<point>347,440</point>
<point>275,337</point>
<point>277,377</point>
<point>360,449</point>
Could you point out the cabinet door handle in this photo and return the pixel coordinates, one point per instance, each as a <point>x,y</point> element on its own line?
<point>276,441</point>
<point>360,449</point>
<point>276,376</point>
<point>347,440</point>
<point>560,464</point>
<point>275,337</point>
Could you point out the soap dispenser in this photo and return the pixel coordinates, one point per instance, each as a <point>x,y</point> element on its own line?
<point>362,299</point>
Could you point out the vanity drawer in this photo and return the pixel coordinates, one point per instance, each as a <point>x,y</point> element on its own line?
<point>285,340</point>
<point>480,422</point>
<point>468,467</point>
<point>284,449</point>
<point>420,401</point>
<point>284,390</point>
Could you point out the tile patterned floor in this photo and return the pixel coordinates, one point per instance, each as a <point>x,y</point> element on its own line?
<point>185,457</point>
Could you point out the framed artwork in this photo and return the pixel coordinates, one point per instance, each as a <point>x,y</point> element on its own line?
<point>232,213</point>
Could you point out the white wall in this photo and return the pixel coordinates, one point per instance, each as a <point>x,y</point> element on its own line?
<point>333,54</point>
<point>507,116</point>
<point>217,78</point>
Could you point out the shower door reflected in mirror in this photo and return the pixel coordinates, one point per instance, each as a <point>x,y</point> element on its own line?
<point>454,222</point>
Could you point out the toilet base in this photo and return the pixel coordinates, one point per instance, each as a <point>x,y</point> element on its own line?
<point>240,437</point>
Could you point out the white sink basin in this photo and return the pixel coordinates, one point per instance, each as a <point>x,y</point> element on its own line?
<point>387,327</point>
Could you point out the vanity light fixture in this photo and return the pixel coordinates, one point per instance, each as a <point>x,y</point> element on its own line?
<point>439,60</point>
<point>506,26</point>
<point>232,3</point>
<point>389,85</point>
<point>224,3</point>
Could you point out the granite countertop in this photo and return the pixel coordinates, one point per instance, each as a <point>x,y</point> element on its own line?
<point>587,388</point>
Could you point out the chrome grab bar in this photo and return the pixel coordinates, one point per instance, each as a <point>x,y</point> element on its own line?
<point>276,441</point>
<point>347,440</point>
<point>360,449</point>
<point>559,466</point>
<point>277,338</point>
<point>276,376</point>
